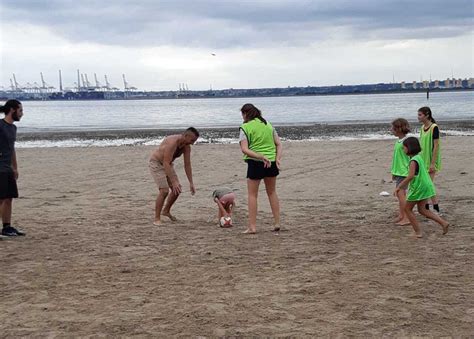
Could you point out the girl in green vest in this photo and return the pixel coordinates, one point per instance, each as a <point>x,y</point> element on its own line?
<point>430,147</point>
<point>262,150</point>
<point>420,187</point>
<point>400,128</point>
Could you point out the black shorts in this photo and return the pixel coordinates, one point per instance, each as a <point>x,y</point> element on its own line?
<point>256,171</point>
<point>8,188</point>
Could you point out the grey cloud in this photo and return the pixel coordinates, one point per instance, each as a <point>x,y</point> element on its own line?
<point>221,24</point>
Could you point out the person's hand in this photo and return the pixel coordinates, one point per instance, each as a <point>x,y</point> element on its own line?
<point>395,193</point>
<point>278,163</point>
<point>192,189</point>
<point>432,169</point>
<point>266,163</point>
<point>16,174</point>
<point>176,188</point>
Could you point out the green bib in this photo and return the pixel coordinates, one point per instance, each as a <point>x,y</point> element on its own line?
<point>421,187</point>
<point>427,144</point>
<point>400,160</point>
<point>260,138</point>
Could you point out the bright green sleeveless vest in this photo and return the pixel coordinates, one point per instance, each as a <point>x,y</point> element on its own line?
<point>426,143</point>
<point>400,160</point>
<point>260,138</point>
<point>421,187</point>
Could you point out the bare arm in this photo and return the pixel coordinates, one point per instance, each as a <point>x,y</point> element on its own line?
<point>168,152</point>
<point>279,149</point>
<point>188,168</point>
<point>15,165</point>
<point>435,155</point>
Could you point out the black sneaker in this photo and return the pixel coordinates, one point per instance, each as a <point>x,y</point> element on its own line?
<point>11,231</point>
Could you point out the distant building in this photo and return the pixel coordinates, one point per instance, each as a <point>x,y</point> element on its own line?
<point>459,83</point>
<point>436,84</point>
<point>414,85</point>
<point>447,83</point>
<point>470,82</point>
<point>403,85</point>
<point>426,84</point>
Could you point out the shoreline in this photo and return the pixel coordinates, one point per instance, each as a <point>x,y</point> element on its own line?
<point>310,132</point>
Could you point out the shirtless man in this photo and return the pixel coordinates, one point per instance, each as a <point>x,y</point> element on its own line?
<point>162,170</point>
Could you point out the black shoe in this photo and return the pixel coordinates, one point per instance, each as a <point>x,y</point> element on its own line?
<point>11,231</point>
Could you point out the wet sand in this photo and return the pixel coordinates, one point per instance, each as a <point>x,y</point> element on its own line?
<point>93,264</point>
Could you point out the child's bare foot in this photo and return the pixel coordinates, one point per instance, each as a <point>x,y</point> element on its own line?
<point>170,216</point>
<point>276,228</point>
<point>403,222</point>
<point>157,222</point>
<point>445,228</point>
<point>249,231</point>
<point>419,235</point>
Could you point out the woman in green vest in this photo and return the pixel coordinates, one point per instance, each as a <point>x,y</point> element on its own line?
<point>262,150</point>
<point>430,147</point>
<point>420,187</point>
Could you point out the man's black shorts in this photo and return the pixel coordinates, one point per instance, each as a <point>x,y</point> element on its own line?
<point>8,188</point>
<point>257,171</point>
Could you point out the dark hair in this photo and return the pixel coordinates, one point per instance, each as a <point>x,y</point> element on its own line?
<point>413,145</point>
<point>251,112</point>
<point>12,103</point>
<point>193,130</point>
<point>427,112</point>
<point>401,125</point>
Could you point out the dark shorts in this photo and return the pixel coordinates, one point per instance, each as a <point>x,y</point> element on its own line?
<point>8,188</point>
<point>398,180</point>
<point>256,171</point>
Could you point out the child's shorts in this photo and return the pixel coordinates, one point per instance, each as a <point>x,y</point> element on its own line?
<point>227,199</point>
<point>398,180</point>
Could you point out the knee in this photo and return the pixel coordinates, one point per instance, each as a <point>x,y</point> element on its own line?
<point>164,192</point>
<point>422,210</point>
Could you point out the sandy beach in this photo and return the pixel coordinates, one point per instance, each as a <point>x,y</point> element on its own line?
<point>92,263</point>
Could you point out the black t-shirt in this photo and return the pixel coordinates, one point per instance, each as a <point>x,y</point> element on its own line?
<point>7,145</point>
<point>435,132</point>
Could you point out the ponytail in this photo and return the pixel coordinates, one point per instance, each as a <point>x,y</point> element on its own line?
<point>427,112</point>
<point>251,112</point>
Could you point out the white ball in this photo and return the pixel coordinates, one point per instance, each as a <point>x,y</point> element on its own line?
<point>226,222</point>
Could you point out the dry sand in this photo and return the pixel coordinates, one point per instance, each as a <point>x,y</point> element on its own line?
<point>93,264</point>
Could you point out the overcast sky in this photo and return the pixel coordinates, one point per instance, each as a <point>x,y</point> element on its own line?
<point>159,44</point>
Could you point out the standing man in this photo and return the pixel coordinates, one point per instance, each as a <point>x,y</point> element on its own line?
<point>162,170</point>
<point>8,166</point>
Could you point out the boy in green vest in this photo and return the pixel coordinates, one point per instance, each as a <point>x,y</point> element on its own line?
<point>420,187</point>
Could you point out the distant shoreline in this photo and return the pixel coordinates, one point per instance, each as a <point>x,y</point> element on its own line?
<point>178,96</point>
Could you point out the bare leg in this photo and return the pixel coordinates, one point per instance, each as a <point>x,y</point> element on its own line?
<point>252,189</point>
<point>169,203</point>
<point>270,186</point>
<point>401,202</point>
<point>7,211</point>
<point>434,200</point>
<point>432,216</point>
<point>160,200</point>
<point>411,216</point>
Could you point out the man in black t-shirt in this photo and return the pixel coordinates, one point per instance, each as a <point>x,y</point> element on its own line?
<point>8,165</point>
